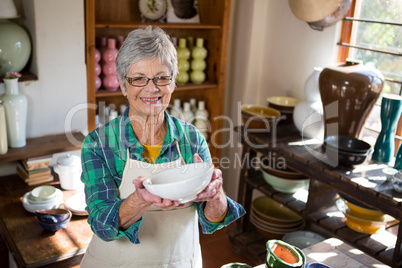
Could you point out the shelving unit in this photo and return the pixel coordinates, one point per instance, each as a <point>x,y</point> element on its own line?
<point>319,209</point>
<point>111,19</point>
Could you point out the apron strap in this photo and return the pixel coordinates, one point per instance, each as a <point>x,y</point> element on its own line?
<point>178,150</point>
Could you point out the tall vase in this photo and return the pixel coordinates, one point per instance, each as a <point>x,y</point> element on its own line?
<point>183,54</point>
<point>16,106</point>
<point>3,130</point>
<point>348,92</point>
<point>110,81</point>
<point>398,159</point>
<point>384,148</point>
<point>198,64</point>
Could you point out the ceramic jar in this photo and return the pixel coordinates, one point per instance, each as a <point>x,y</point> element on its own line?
<point>198,63</point>
<point>176,110</point>
<point>397,181</point>
<point>16,107</point>
<point>3,130</point>
<point>110,81</point>
<point>348,92</point>
<point>201,119</point>
<point>187,113</point>
<point>183,55</point>
<point>98,69</point>
<point>68,167</point>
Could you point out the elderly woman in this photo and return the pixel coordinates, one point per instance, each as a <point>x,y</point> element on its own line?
<point>134,228</point>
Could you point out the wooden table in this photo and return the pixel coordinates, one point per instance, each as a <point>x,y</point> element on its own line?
<point>337,254</point>
<point>32,246</point>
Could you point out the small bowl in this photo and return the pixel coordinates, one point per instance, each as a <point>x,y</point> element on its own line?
<point>347,144</point>
<point>282,103</point>
<point>51,216</point>
<point>397,181</point>
<point>389,172</point>
<point>43,193</point>
<point>56,225</point>
<point>285,185</point>
<point>344,158</point>
<point>316,265</point>
<point>182,183</point>
<point>259,117</point>
<point>285,173</point>
<point>283,255</point>
<point>361,210</point>
<point>236,265</point>
<point>271,211</point>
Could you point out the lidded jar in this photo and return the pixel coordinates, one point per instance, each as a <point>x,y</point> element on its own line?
<point>348,92</point>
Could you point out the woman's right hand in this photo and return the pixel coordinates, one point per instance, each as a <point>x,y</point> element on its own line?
<point>155,200</point>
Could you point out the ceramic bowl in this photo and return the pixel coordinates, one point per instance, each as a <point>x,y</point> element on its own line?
<point>181,183</point>
<point>236,265</point>
<point>389,172</point>
<point>43,193</point>
<point>316,265</point>
<point>282,103</point>
<point>347,144</point>
<point>272,211</point>
<point>285,173</point>
<point>283,255</point>
<point>361,210</point>
<point>343,158</point>
<point>32,206</point>
<point>302,239</point>
<point>259,117</point>
<point>285,185</point>
<point>397,181</point>
<point>362,225</point>
<point>51,216</point>
<point>53,227</point>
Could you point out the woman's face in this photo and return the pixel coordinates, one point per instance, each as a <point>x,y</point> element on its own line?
<point>149,100</point>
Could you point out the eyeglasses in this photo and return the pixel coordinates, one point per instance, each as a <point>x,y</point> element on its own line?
<point>141,81</point>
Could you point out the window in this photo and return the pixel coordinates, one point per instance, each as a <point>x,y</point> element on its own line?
<point>372,32</point>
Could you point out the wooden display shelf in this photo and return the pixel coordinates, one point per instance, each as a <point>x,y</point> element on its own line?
<point>45,145</point>
<point>131,25</point>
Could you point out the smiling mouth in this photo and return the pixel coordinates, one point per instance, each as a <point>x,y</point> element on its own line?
<point>151,99</point>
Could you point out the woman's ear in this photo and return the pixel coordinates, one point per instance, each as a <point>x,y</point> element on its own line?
<point>122,87</point>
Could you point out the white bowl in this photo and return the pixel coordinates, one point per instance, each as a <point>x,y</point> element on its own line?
<point>181,183</point>
<point>302,239</point>
<point>389,172</point>
<point>32,207</point>
<point>285,185</point>
<point>43,193</point>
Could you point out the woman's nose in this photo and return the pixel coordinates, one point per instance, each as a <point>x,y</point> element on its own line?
<point>151,87</point>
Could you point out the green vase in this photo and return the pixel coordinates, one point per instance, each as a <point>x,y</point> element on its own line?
<point>198,63</point>
<point>183,65</point>
<point>15,47</point>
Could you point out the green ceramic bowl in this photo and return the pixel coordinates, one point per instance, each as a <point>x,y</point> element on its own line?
<point>283,255</point>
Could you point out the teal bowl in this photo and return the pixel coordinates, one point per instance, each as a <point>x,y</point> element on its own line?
<point>283,255</point>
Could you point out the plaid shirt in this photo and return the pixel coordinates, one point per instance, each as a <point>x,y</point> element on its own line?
<point>104,155</point>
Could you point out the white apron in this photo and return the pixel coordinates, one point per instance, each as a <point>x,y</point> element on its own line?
<point>169,238</point>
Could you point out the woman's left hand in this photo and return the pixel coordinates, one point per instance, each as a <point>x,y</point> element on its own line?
<point>214,189</point>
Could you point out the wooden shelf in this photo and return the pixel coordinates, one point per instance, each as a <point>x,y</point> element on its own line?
<point>131,25</point>
<point>45,145</point>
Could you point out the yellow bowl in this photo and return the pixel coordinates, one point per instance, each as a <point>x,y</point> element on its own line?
<point>259,117</point>
<point>271,211</point>
<point>282,103</point>
<point>360,210</point>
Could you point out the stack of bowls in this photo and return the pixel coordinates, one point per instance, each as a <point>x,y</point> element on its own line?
<point>53,219</point>
<point>259,117</point>
<point>285,105</point>
<point>361,218</point>
<point>42,197</point>
<point>284,180</point>
<point>272,220</point>
<point>346,150</point>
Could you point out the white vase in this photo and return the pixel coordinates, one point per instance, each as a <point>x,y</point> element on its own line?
<point>16,107</point>
<point>311,87</point>
<point>308,119</point>
<point>176,110</point>
<point>3,130</point>
<point>201,111</point>
<point>187,113</point>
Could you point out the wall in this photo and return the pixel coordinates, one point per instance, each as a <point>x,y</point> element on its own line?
<point>271,53</point>
<point>57,30</point>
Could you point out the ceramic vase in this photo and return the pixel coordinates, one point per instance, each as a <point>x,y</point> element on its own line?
<point>98,70</point>
<point>110,81</point>
<point>16,107</point>
<point>348,93</point>
<point>15,47</point>
<point>201,119</point>
<point>3,130</point>
<point>384,148</point>
<point>398,159</point>
<point>176,110</point>
<point>198,63</point>
<point>183,55</point>
<point>308,114</point>
<point>187,113</point>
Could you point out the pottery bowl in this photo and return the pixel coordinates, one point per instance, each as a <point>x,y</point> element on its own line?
<point>259,117</point>
<point>302,239</point>
<point>284,172</point>
<point>359,209</point>
<point>344,158</point>
<point>397,181</point>
<point>347,144</point>
<point>43,193</point>
<point>57,225</point>
<point>181,183</point>
<point>283,255</point>
<point>272,211</point>
<point>316,265</point>
<point>236,265</point>
<point>282,103</point>
<point>360,225</point>
<point>389,172</point>
<point>285,185</point>
<point>51,216</point>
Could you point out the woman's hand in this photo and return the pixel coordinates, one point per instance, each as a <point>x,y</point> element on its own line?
<point>155,200</point>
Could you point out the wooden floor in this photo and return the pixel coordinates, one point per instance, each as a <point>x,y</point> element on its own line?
<point>216,251</point>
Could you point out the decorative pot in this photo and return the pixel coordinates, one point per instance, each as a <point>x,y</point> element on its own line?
<point>110,81</point>
<point>15,47</point>
<point>348,92</point>
<point>3,130</point>
<point>16,106</point>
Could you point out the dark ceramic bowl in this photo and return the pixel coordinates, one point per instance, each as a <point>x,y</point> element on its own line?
<point>53,227</point>
<point>347,144</point>
<point>316,265</point>
<point>343,158</point>
<point>52,216</point>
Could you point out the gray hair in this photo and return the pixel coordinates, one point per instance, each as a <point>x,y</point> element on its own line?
<point>146,43</point>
